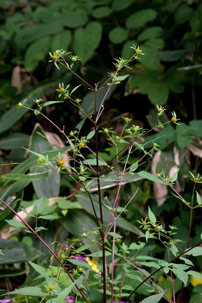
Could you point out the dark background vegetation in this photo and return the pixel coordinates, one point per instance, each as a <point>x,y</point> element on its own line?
<point>169,33</point>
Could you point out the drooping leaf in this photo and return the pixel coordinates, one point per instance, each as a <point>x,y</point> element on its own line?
<point>152,217</point>
<point>48,187</point>
<point>153,299</point>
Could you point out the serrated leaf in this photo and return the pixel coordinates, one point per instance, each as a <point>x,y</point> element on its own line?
<point>28,291</point>
<point>181,274</point>
<point>153,299</point>
<point>196,251</point>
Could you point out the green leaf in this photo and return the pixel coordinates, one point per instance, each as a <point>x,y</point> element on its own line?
<point>170,56</point>
<point>175,176</point>
<point>70,19</point>
<point>48,217</point>
<point>50,186</point>
<point>195,252</point>
<point>15,223</point>
<point>88,103</point>
<point>36,52</point>
<point>16,252</point>
<point>152,217</point>
<point>39,205</point>
<point>91,135</point>
<point>98,254</point>
<point>79,263</point>
<point>149,176</point>
<point>35,32</point>
<point>34,176</point>
<point>140,18</point>
<point>14,141</point>
<point>41,270</point>
<point>118,35</point>
<point>127,52</point>
<point>153,299</point>
<point>51,102</point>
<point>118,5</point>
<point>83,199</point>
<point>28,291</point>
<point>61,41</point>
<point>93,162</point>
<point>80,124</point>
<point>151,32</point>
<point>7,214</point>
<point>66,204</point>
<point>101,12</point>
<point>181,274</point>
<point>86,40</point>
<point>198,198</point>
<point>183,14</point>
<point>84,247</point>
<point>195,274</point>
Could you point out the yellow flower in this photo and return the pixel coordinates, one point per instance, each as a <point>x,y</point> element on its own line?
<point>20,104</point>
<point>174,119</point>
<point>54,57</point>
<point>127,119</point>
<point>62,89</point>
<point>82,144</point>
<point>144,222</point>
<point>195,281</point>
<point>71,133</point>
<point>118,240</point>
<point>63,256</point>
<point>158,175</point>
<point>138,50</point>
<point>40,159</point>
<point>61,162</point>
<point>93,263</point>
<point>51,287</point>
<point>196,179</point>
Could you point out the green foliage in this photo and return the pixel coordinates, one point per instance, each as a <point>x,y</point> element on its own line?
<point>101,195</point>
